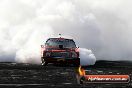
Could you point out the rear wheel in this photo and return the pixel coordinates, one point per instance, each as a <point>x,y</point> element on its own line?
<point>77,63</point>
<point>43,62</point>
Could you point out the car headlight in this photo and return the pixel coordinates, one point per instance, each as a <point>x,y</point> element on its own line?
<point>48,54</point>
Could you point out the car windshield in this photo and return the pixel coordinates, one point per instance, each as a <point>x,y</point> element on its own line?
<point>67,43</point>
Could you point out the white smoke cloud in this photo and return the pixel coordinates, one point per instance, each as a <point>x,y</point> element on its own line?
<point>102,26</point>
<point>86,57</point>
<point>22,32</point>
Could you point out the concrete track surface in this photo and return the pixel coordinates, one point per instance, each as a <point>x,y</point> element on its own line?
<point>20,75</point>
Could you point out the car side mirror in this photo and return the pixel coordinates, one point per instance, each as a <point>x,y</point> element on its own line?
<point>77,46</point>
<point>46,43</point>
<point>42,46</point>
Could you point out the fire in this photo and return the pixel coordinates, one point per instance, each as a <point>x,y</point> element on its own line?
<point>81,71</point>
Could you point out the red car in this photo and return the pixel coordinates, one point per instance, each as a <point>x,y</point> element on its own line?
<point>60,50</point>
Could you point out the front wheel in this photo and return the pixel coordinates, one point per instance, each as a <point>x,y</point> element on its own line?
<point>43,62</point>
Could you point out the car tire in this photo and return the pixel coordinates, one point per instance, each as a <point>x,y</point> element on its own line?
<point>43,62</point>
<point>77,64</point>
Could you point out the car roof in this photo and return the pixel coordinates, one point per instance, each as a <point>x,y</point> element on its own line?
<point>60,38</point>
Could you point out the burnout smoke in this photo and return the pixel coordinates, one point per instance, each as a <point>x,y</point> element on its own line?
<point>86,57</point>
<point>103,26</point>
